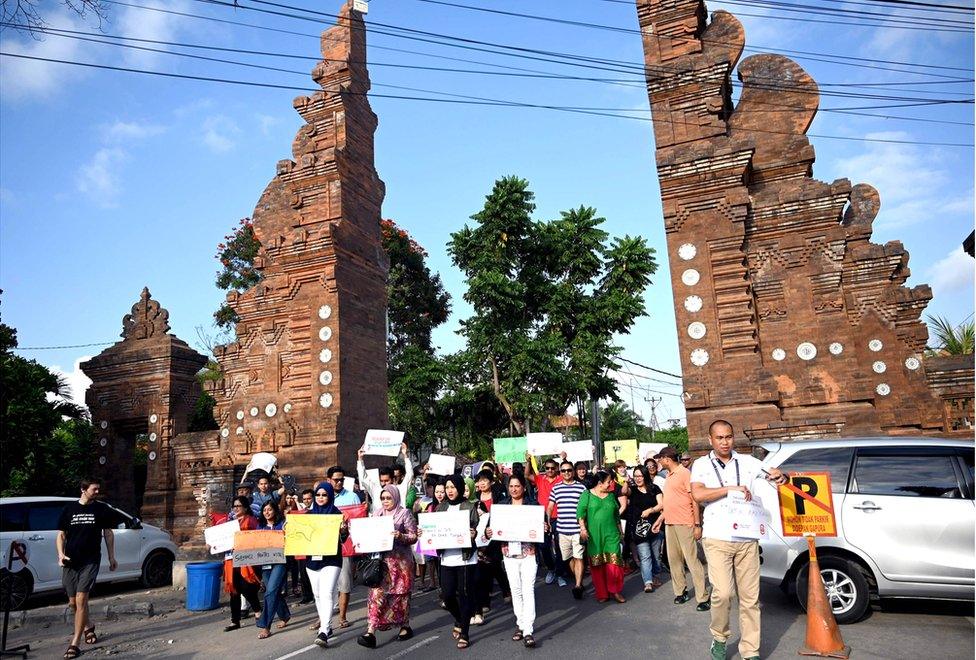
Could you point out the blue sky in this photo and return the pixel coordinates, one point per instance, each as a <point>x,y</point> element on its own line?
<point>112,181</point>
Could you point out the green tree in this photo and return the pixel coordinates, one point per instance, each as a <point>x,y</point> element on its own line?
<point>951,339</point>
<point>549,298</point>
<point>44,439</point>
<point>237,272</point>
<point>467,409</point>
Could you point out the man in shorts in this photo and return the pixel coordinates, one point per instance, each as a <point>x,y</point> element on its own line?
<point>81,528</point>
<point>564,498</point>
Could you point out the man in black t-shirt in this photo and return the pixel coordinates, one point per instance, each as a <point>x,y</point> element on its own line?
<point>82,526</point>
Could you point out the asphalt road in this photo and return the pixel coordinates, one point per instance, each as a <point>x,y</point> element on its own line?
<point>648,625</point>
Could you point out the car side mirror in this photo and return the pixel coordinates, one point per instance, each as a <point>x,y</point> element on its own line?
<point>136,524</point>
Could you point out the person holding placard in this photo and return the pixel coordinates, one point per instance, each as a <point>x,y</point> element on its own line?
<point>242,581</point>
<point>323,570</point>
<point>599,521</point>
<point>521,567</point>
<point>733,562</point>
<point>273,576</point>
<point>555,565</point>
<point>386,477</point>
<point>389,604</point>
<point>458,564</point>
<point>490,568</point>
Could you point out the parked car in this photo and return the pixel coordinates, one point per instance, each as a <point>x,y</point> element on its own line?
<point>142,551</point>
<point>905,521</point>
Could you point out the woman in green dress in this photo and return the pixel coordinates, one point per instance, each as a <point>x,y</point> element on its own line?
<point>599,520</point>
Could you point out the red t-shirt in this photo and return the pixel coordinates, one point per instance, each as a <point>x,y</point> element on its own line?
<point>543,487</point>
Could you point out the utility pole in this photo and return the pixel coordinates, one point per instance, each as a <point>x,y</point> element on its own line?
<point>595,423</point>
<point>654,401</point>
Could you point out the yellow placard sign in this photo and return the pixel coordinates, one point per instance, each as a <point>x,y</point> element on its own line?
<point>312,534</point>
<point>615,450</point>
<point>806,505</point>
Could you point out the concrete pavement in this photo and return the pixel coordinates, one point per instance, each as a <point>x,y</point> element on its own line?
<point>648,625</point>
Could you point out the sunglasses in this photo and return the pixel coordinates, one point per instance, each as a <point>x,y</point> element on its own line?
<point>550,467</point>
<point>321,494</point>
<point>567,470</point>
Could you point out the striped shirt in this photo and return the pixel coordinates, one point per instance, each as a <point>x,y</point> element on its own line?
<point>566,497</point>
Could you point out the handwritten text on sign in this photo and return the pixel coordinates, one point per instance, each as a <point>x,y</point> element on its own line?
<point>371,534</point>
<point>220,538</point>
<point>258,548</point>
<point>444,530</point>
<point>383,443</point>
<point>312,534</point>
<point>517,523</point>
<point>806,505</point>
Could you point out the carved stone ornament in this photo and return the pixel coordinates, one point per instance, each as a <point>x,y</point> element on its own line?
<point>699,357</point>
<point>884,389</point>
<point>693,304</point>
<point>325,312</point>
<point>271,410</point>
<point>687,251</point>
<point>806,351</point>
<point>697,330</point>
<point>879,367</point>
<point>912,363</point>
<point>325,333</point>
<point>147,319</point>
<point>779,354</point>
<point>325,355</point>
<point>325,400</point>
<point>325,378</point>
<point>690,277</point>
<point>836,348</point>
<point>875,345</point>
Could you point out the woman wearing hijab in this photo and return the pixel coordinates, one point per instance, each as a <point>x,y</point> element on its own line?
<point>389,603</point>
<point>599,521</point>
<point>323,570</point>
<point>490,567</point>
<point>458,564</point>
<point>243,580</point>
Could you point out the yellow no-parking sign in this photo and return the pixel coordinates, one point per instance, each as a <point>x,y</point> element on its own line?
<point>806,505</point>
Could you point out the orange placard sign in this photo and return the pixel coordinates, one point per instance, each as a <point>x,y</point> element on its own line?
<point>259,547</point>
<point>806,505</point>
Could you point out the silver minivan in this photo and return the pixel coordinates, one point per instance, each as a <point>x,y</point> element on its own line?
<point>906,521</point>
<point>143,552</point>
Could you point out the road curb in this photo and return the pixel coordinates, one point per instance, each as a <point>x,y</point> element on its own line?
<point>64,614</point>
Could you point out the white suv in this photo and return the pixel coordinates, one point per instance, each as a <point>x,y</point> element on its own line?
<point>905,521</point>
<point>142,551</point>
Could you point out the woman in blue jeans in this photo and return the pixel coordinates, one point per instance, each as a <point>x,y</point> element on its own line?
<point>643,508</point>
<point>273,576</point>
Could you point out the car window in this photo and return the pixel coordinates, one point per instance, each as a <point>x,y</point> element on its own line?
<point>967,458</point>
<point>13,517</point>
<point>835,460</point>
<point>907,476</point>
<point>43,516</point>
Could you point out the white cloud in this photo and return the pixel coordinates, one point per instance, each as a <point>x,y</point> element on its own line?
<point>955,272</point>
<point>266,122</point>
<point>78,383</point>
<point>151,25</point>
<point>219,133</point>
<point>99,178</point>
<point>122,131</point>
<point>26,78</point>
<point>908,177</point>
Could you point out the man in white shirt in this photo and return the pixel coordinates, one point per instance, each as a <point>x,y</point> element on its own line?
<point>373,488</point>
<point>733,562</point>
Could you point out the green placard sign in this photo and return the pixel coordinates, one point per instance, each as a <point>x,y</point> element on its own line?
<point>510,450</point>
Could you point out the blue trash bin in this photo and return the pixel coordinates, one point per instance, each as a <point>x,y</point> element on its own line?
<point>203,580</point>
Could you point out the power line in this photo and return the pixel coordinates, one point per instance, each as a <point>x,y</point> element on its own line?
<point>644,366</point>
<point>52,348</point>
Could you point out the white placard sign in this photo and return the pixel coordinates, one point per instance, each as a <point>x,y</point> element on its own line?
<point>544,444</point>
<point>383,443</point>
<point>441,464</point>
<point>372,476</point>
<point>349,483</point>
<point>260,461</point>
<point>373,534</point>
<point>481,538</point>
<point>646,450</point>
<point>444,530</point>
<point>517,523</point>
<point>220,538</point>
<point>578,450</point>
<point>747,520</point>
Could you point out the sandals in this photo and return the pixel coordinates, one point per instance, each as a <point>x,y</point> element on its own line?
<point>517,637</point>
<point>462,643</point>
<point>456,632</point>
<point>90,636</point>
<point>344,624</point>
<point>72,652</point>
<point>529,642</point>
<point>264,634</point>
<point>283,623</point>
<point>406,633</point>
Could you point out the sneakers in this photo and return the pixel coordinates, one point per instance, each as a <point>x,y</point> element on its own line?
<point>704,607</point>
<point>477,620</point>
<point>562,582</point>
<point>550,577</point>
<point>322,640</point>
<point>717,650</point>
<point>683,598</point>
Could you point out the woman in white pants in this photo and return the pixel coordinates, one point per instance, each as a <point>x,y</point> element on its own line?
<point>521,567</point>
<point>323,570</point>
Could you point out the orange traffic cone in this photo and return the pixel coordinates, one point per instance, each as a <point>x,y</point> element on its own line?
<point>823,636</point>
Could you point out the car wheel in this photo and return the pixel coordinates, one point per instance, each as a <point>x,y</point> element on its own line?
<point>157,570</point>
<point>846,585</point>
<point>15,588</point>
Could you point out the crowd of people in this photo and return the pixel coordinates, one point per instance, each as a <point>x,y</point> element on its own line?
<point>607,521</point>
